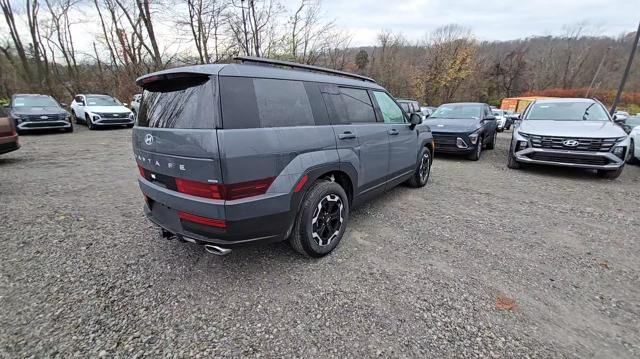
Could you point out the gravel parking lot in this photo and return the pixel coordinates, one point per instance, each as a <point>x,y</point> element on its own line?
<point>419,273</point>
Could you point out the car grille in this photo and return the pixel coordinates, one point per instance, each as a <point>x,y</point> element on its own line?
<point>584,144</point>
<point>444,141</point>
<point>113,115</point>
<point>39,117</point>
<point>43,124</point>
<point>568,158</point>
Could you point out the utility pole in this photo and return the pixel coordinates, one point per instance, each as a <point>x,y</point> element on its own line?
<point>634,48</point>
<point>597,71</point>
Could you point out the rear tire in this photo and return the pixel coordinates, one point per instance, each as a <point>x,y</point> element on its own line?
<point>321,221</point>
<point>423,170</point>
<point>610,174</point>
<point>491,145</point>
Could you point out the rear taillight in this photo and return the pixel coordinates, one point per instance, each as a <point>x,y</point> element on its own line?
<point>198,189</point>
<point>226,192</point>
<point>141,169</point>
<point>211,222</point>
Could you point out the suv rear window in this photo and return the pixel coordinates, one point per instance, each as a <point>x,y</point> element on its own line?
<point>180,102</point>
<point>261,103</point>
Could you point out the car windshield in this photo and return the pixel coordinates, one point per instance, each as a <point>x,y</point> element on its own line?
<point>567,111</point>
<point>102,101</point>
<point>458,112</point>
<point>34,101</point>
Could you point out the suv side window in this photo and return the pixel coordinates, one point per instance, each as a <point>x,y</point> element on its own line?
<point>79,99</point>
<point>391,113</point>
<point>487,112</point>
<point>358,105</point>
<point>262,103</point>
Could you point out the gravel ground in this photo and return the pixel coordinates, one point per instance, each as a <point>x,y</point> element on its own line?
<point>418,273</point>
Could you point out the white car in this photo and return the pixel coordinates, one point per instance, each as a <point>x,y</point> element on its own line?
<point>501,118</point>
<point>100,110</point>
<point>633,123</point>
<point>135,104</point>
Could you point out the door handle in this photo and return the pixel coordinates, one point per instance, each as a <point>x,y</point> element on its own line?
<point>393,132</point>
<point>346,135</point>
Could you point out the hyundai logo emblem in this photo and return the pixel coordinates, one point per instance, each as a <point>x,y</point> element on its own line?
<point>571,143</point>
<point>148,139</point>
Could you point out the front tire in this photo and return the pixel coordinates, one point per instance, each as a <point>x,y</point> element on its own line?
<point>632,158</point>
<point>75,118</point>
<point>475,155</point>
<point>70,129</point>
<point>321,221</point>
<point>90,124</point>
<point>610,174</point>
<point>423,171</point>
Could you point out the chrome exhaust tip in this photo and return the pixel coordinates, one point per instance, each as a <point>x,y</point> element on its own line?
<point>210,248</point>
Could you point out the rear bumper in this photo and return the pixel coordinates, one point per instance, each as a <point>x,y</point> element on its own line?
<point>9,144</point>
<point>259,219</point>
<point>567,158</point>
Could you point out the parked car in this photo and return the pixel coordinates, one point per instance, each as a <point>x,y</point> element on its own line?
<point>501,118</point>
<point>463,128</point>
<point>410,106</point>
<point>135,104</point>
<point>571,132</point>
<point>622,115</point>
<point>100,110</point>
<point>38,112</point>
<point>633,123</point>
<point>427,110</point>
<point>8,135</point>
<point>236,154</point>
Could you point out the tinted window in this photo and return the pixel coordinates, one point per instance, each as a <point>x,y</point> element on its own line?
<point>456,111</point>
<point>33,101</point>
<point>357,105</point>
<point>391,113</point>
<point>405,107</point>
<point>256,103</point>
<point>182,102</point>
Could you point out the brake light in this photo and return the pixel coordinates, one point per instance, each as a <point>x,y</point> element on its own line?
<point>211,222</point>
<point>247,189</point>
<point>226,192</point>
<point>141,169</point>
<point>198,189</point>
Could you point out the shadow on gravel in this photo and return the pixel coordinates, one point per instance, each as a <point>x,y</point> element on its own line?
<point>36,133</point>
<point>10,160</point>
<point>562,172</point>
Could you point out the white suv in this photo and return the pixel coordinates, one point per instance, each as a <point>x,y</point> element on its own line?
<point>100,110</point>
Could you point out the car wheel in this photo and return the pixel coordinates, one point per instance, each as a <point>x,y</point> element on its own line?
<point>475,155</point>
<point>321,221</point>
<point>608,174</point>
<point>75,118</point>
<point>129,126</point>
<point>631,159</point>
<point>70,129</point>
<point>89,123</point>
<point>491,145</point>
<point>423,170</point>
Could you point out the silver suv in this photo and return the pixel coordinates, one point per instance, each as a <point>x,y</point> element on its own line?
<point>571,132</point>
<point>237,154</point>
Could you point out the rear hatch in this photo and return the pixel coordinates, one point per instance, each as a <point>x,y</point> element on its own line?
<point>176,147</point>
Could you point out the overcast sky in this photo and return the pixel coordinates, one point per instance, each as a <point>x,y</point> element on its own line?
<point>488,19</point>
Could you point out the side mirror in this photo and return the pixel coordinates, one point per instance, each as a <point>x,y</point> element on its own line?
<point>619,120</point>
<point>125,104</point>
<point>415,119</point>
<point>63,104</point>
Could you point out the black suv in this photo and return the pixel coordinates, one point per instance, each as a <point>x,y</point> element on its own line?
<point>38,112</point>
<point>234,154</point>
<point>464,128</point>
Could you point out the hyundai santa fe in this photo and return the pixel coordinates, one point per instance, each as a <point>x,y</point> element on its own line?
<point>235,154</point>
<point>570,132</point>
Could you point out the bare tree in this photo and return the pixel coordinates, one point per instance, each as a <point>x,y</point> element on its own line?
<point>205,21</point>
<point>7,10</point>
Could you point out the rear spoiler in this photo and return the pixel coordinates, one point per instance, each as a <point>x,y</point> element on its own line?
<point>176,73</point>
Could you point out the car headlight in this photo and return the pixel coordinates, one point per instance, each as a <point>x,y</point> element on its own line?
<point>619,151</point>
<point>473,138</point>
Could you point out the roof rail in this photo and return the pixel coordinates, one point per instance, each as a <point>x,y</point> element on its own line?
<point>294,65</point>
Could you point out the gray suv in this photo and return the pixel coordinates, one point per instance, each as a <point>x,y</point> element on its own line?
<point>570,132</point>
<point>235,154</point>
